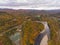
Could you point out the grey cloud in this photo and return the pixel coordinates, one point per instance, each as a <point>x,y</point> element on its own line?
<point>33,3</point>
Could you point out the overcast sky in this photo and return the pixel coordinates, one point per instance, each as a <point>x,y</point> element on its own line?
<point>34,4</point>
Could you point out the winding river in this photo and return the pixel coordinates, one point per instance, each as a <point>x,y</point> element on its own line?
<point>44,36</point>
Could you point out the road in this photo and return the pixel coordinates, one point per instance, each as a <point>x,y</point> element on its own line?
<point>1,34</point>
<point>43,35</point>
<point>16,37</point>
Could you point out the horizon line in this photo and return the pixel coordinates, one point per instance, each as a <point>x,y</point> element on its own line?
<point>32,8</point>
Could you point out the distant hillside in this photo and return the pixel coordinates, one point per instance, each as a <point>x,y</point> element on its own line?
<point>28,11</point>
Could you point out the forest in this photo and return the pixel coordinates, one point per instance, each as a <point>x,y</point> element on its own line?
<point>10,22</point>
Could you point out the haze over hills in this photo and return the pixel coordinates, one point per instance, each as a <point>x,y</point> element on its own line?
<point>31,11</point>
